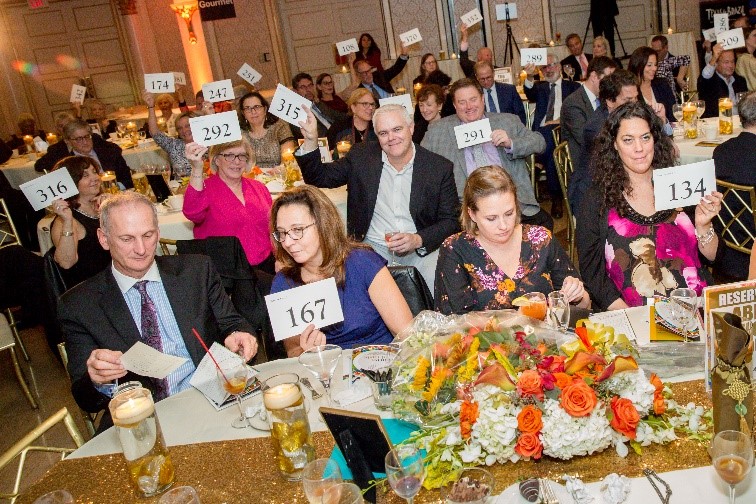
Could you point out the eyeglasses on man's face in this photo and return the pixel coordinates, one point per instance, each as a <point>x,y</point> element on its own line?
<point>295,233</point>
<point>230,157</point>
<point>82,138</point>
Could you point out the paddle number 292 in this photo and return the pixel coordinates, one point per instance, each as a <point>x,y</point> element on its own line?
<point>215,132</point>
<point>306,315</point>
<point>685,189</point>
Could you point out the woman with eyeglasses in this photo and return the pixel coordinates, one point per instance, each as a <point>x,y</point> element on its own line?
<point>428,65</point>
<point>227,203</point>
<point>327,93</point>
<point>311,244</point>
<point>268,136</point>
<point>358,126</point>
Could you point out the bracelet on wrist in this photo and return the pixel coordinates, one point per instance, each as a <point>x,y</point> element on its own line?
<point>705,238</point>
<point>67,233</point>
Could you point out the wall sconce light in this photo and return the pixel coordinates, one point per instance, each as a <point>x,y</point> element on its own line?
<point>186,11</point>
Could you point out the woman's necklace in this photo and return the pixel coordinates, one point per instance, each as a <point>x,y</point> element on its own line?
<point>85,214</point>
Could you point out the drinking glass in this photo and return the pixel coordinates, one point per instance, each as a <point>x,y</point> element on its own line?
<point>677,111</point>
<point>180,495</point>
<point>569,71</point>
<point>536,307</point>
<point>318,477</point>
<point>405,471</point>
<point>233,374</point>
<point>343,493</point>
<point>322,361</point>
<point>732,458</point>
<point>55,497</point>
<point>142,135</point>
<point>388,236</point>
<point>683,303</point>
<point>559,310</point>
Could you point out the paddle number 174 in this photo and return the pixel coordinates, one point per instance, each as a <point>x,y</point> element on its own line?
<point>307,315</point>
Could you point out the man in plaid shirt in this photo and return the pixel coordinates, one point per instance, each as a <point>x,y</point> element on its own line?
<point>670,68</point>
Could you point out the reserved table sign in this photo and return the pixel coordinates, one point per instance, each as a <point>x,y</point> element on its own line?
<point>287,105</point>
<point>472,18</point>
<point>160,82</point>
<point>473,133</point>
<point>294,309</point>
<point>681,186</point>
<point>249,74</point>
<point>535,56</point>
<point>347,46</point>
<point>43,190</point>
<point>411,37</point>
<point>215,129</point>
<point>217,91</point>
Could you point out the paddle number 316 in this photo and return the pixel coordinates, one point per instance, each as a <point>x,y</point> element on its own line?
<point>307,314</point>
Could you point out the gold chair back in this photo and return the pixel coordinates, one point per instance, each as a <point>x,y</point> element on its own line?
<point>8,233</point>
<point>24,446</point>
<point>89,418</point>
<point>563,162</point>
<point>738,209</point>
<point>556,133</point>
<point>168,246</point>
<point>8,340</point>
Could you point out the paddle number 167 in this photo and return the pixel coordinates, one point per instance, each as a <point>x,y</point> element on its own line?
<point>306,315</point>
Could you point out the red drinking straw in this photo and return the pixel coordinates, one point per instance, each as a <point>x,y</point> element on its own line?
<point>211,355</point>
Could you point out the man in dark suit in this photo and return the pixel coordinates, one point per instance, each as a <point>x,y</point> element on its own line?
<point>81,142</point>
<point>498,97</point>
<point>735,161</point>
<point>376,81</point>
<point>577,59</point>
<point>143,298</point>
<point>548,96</point>
<point>719,80</point>
<point>579,106</point>
<point>60,149</point>
<point>304,86</point>
<point>393,186</point>
<point>467,65</point>
<point>616,89</point>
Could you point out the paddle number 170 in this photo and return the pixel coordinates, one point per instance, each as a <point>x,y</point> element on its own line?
<point>686,191</point>
<point>307,315</point>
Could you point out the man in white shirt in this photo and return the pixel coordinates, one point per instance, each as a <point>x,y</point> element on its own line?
<point>719,80</point>
<point>498,97</point>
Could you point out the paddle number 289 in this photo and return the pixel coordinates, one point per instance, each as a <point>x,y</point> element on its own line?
<point>306,315</point>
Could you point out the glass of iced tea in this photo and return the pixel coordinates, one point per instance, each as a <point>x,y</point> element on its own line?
<point>233,374</point>
<point>535,307</point>
<point>388,236</point>
<point>732,456</point>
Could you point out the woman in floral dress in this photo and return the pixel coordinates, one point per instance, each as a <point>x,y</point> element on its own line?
<point>496,259</point>
<point>627,250</point>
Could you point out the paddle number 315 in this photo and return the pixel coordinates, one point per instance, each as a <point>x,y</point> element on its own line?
<point>306,315</point>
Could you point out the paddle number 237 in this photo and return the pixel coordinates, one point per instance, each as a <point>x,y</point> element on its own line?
<point>311,312</point>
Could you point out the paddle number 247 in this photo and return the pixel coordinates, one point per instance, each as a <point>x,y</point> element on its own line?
<point>306,314</point>
<point>684,189</point>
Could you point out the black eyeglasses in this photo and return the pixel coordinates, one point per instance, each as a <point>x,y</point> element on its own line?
<point>253,108</point>
<point>229,157</point>
<point>295,233</point>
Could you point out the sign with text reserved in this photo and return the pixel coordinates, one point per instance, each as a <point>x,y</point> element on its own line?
<point>287,105</point>
<point>218,91</point>
<point>681,186</point>
<point>41,191</point>
<point>473,133</point>
<point>215,129</point>
<point>160,82</point>
<point>291,311</point>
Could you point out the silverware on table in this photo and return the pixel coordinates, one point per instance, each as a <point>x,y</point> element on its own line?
<point>306,382</point>
<point>547,493</point>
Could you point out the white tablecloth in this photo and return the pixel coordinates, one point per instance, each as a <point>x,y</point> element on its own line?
<point>692,153</point>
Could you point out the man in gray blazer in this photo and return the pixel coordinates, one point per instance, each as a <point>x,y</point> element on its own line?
<point>511,143</point>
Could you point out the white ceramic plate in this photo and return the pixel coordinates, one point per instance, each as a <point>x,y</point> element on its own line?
<point>512,495</point>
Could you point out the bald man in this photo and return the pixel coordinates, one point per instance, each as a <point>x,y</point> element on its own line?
<point>468,66</point>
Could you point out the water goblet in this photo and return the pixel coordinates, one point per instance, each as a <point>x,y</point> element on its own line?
<point>318,477</point>
<point>321,361</point>
<point>570,71</point>
<point>233,374</point>
<point>405,471</point>
<point>343,493</point>
<point>700,108</point>
<point>732,457</point>
<point>559,310</point>
<point>388,236</point>
<point>677,111</point>
<point>683,303</point>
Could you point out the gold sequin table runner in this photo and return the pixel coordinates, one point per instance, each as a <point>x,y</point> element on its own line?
<point>244,471</point>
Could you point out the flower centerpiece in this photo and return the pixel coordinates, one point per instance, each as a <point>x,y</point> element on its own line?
<point>500,387</point>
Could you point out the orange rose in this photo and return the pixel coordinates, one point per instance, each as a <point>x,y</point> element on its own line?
<point>530,384</point>
<point>659,405</point>
<point>625,419</point>
<point>468,414</point>
<point>561,380</point>
<point>529,446</point>
<point>529,419</point>
<point>578,399</point>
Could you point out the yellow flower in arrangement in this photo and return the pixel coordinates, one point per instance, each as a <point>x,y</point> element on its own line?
<point>421,373</point>
<point>437,379</point>
<point>470,368</point>
<point>508,285</point>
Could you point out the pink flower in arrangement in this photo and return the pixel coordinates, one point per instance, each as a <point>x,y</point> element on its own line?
<point>625,227</point>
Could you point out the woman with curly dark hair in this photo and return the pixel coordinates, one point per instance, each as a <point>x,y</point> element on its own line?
<point>627,250</point>
<point>369,51</point>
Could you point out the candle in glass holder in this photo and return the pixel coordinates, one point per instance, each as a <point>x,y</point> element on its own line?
<point>523,76</point>
<point>28,139</point>
<point>287,156</point>
<point>52,138</point>
<point>689,111</point>
<point>454,56</point>
<point>417,87</point>
<point>344,69</point>
<point>525,40</point>
<point>551,43</point>
<point>401,90</point>
<point>725,116</point>
<point>131,126</point>
<point>281,396</point>
<point>670,30</point>
<point>442,55</point>
<point>343,147</point>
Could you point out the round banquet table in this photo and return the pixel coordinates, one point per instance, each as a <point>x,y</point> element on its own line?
<point>692,152</point>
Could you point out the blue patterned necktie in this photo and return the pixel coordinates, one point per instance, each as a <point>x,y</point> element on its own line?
<point>151,333</point>
<point>491,104</point>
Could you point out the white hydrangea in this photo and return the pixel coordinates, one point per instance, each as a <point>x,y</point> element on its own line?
<point>645,435</point>
<point>564,436</point>
<point>494,434</point>
<point>688,416</point>
<point>633,385</point>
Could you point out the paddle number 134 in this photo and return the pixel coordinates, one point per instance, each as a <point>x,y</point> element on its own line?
<point>307,314</point>
<point>684,189</point>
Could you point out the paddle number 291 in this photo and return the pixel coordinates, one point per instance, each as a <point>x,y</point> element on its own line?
<point>306,315</point>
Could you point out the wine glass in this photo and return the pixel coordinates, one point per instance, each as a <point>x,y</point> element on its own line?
<point>343,493</point>
<point>683,304</point>
<point>559,310</point>
<point>233,374</point>
<point>318,477</point>
<point>677,111</point>
<point>388,236</point>
<point>732,457</point>
<point>700,108</point>
<point>570,71</point>
<point>321,361</point>
<point>405,471</point>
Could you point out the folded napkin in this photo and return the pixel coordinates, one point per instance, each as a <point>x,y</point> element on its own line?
<point>353,394</point>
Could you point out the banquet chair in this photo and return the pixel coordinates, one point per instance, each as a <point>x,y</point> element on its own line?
<point>736,221</point>
<point>8,237</point>
<point>556,133</point>
<point>413,287</point>
<point>8,343</point>
<point>89,418</point>
<point>563,162</point>
<point>22,448</point>
<point>168,246</point>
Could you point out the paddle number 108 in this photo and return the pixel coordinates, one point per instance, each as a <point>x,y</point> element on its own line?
<point>307,315</point>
